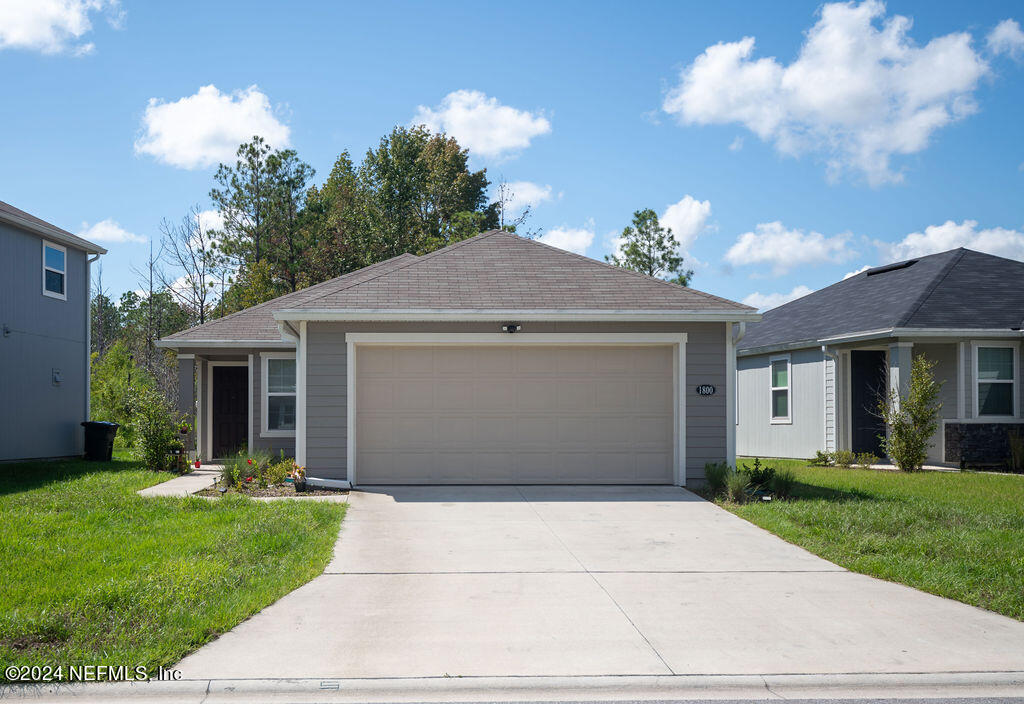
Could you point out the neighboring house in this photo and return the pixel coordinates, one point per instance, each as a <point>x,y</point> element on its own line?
<point>810,373</point>
<point>44,337</point>
<point>494,360</point>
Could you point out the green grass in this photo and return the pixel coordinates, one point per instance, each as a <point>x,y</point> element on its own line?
<point>91,573</point>
<point>958,535</point>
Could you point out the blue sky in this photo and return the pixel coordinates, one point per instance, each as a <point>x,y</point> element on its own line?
<point>836,136</point>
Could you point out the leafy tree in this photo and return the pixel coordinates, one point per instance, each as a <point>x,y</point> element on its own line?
<point>334,219</point>
<point>651,249</point>
<point>912,418</point>
<point>254,285</point>
<point>244,197</point>
<point>414,190</point>
<point>288,237</point>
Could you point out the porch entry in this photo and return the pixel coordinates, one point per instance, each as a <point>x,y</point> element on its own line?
<point>230,409</point>
<point>867,386</point>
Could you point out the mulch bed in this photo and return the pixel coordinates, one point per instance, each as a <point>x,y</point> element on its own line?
<point>282,490</point>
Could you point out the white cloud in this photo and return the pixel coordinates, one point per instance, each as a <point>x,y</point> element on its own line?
<point>950,235</point>
<point>767,301</point>
<point>108,231</point>
<point>204,129</point>
<point>687,219</point>
<point>855,272</point>
<point>860,92</point>
<point>482,124</point>
<point>783,249</point>
<point>53,26</point>
<point>211,220</point>
<point>736,144</point>
<point>572,239</point>
<point>523,194</point>
<point>1007,38</point>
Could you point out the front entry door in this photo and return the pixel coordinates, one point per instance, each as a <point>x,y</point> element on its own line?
<point>867,386</point>
<point>230,411</point>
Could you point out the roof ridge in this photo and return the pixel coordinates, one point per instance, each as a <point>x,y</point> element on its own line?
<point>417,259</point>
<point>929,290</point>
<point>290,294</point>
<point>645,277</point>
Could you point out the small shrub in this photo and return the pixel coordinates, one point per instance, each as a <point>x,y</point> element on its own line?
<point>821,459</point>
<point>155,428</point>
<point>736,486</point>
<point>912,418</point>
<point>844,458</point>
<point>866,459</point>
<point>759,476</point>
<point>783,483</point>
<point>277,472</point>
<point>717,474</point>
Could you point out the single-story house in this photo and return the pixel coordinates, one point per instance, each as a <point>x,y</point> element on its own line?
<point>44,337</point>
<point>810,373</point>
<point>497,360</point>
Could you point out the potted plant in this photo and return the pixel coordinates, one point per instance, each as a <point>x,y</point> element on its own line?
<point>198,462</point>
<point>298,475</point>
<point>185,428</point>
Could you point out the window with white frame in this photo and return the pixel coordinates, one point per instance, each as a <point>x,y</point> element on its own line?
<point>54,270</point>
<point>279,394</point>
<point>996,379</point>
<point>780,406</point>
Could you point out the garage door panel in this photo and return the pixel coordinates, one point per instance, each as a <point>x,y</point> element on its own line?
<point>516,414</point>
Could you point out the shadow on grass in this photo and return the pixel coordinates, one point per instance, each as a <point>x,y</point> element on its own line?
<point>812,492</point>
<point>18,477</point>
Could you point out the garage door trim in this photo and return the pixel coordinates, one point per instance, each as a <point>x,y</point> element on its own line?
<point>676,340</point>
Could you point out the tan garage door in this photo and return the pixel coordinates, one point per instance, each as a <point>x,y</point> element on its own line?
<point>514,415</point>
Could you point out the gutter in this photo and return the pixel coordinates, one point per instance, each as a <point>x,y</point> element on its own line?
<point>882,334</point>
<point>501,314</point>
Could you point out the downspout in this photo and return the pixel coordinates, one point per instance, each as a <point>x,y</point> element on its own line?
<point>736,333</point>
<point>88,336</point>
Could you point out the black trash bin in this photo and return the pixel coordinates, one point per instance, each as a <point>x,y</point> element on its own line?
<point>99,439</point>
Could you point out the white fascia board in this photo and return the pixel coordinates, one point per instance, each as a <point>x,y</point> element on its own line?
<point>53,233</point>
<point>226,344</point>
<point>771,349</point>
<point>385,314</point>
<point>519,338</point>
<point>921,332</point>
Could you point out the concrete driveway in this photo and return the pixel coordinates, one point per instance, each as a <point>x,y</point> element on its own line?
<point>573,581</point>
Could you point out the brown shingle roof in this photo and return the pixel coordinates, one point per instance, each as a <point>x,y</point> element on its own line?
<point>495,270</point>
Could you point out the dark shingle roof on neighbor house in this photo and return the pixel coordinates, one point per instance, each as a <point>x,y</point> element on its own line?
<point>958,289</point>
<point>19,218</point>
<point>495,270</point>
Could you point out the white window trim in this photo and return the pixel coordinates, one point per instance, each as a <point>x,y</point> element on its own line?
<point>64,250</point>
<point>266,432</point>
<point>788,419</point>
<point>356,340</point>
<point>1014,397</point>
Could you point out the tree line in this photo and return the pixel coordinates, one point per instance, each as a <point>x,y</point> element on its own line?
<point>273,231</point>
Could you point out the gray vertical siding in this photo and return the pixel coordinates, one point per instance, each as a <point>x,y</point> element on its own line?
<point>830,404</point>
<point>945,358</point>
<point>274,445</point>
<point>755,434</point>
<point>38,418</point>
<point>327,401</point>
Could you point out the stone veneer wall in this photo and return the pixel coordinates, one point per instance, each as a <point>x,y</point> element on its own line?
<point>984,443</point>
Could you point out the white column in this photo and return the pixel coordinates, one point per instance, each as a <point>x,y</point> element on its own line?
<point>300,396</point>
<point>730,396</point>
<point>900,360</point>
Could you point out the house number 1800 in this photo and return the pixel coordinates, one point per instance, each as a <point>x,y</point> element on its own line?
<point>705,390</point>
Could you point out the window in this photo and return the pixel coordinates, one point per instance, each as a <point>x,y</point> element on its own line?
<point>996,380</point>
<point>779,370</point>
<point>278,394</point>
<point>54,271</point>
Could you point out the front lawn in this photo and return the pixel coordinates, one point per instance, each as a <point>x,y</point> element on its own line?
<point>959,535</point>
<point>93,574</point>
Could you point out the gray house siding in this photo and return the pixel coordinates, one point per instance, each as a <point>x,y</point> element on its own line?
<point>39,334</point>
<point>756,435</point>
<point>327,370</point>
<point>276,445</point>
<point>945,358</point>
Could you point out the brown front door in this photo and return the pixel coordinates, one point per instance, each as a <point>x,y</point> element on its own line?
<point>230,412</point>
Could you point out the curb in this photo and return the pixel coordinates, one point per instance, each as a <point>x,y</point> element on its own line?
<point>462,689</point>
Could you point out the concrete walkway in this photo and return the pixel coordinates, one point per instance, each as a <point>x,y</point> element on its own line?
<point>196,480</point>
<point>576,582</point>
